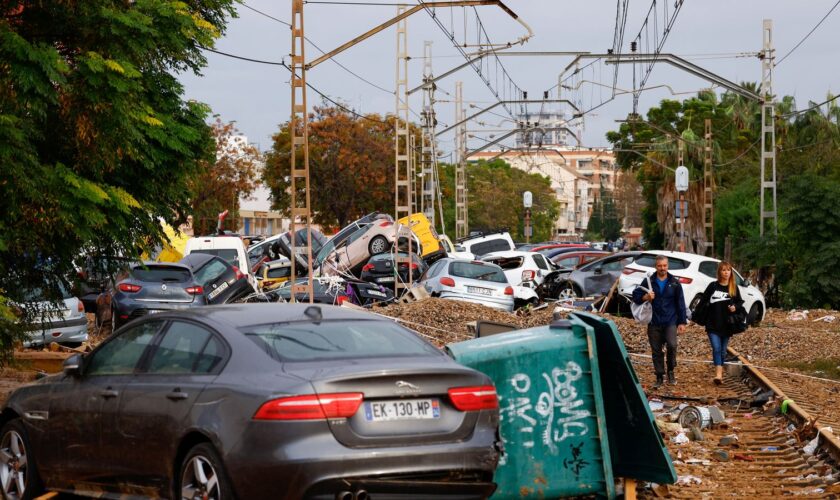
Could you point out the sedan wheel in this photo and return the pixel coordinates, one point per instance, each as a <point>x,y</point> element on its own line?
<point>378,245</point>
<point>18,480</point>
<point>202,476</point>
<point>567,291</point>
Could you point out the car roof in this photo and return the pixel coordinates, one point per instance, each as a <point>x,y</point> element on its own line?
<point>507,253</point>
<point>152,263</point>
<point>236,315</point>
<point>198,259</point>
<point>680,255</point>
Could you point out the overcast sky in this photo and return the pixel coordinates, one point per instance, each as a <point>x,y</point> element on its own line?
<point>710,33</point>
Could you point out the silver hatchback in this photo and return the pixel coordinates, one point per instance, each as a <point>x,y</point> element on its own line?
<point>471,281</point>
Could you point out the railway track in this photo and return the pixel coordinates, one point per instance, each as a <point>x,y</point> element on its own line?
<point>767,459</point>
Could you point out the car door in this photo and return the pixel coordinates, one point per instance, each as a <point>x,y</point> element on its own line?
<point>157,400</point>
<point>83,409</point>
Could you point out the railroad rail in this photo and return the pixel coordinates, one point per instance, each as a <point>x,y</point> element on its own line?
<point>767,461</point>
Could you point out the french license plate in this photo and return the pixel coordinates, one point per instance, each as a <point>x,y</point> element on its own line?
<point>217,291</point>
<point>402,409</point>
<point>479,290</point>
<point>154,311</point>
<point>387,279</point>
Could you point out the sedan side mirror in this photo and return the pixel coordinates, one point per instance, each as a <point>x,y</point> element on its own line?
<point>747,283</point>
<point>72,366</point>
<point>599,270</point>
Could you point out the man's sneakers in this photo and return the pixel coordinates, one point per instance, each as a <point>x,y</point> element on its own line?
<point>672,379</point>
<point>660,379</point>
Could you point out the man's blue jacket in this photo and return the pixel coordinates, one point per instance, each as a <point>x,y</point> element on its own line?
<point>668,306</point>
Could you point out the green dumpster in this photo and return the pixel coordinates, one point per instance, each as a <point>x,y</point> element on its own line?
<point>550,407</point>
<point>573,415</point>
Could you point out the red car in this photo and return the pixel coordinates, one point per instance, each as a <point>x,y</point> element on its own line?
<point>560,245</point>
<point>572,260</point>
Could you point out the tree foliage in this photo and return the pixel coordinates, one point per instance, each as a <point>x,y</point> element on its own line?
<point>351,166</point>
<point>220,183</point>
<point>96,141</point>
<point>494,199</point>
<point>804,257</point>
<point>604,223</point>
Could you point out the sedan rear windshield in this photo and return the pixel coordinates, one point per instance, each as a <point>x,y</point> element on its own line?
<point>161,274</point>
<point>507,262</point>
<point>649,260</point>
<point>229,254</point>
<point>306,341</point>
<point>477,272</point>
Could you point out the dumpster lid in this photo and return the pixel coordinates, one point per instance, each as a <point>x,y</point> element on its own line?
<point>636,446</point>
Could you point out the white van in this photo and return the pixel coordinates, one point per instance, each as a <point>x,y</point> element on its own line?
<point>230,248</point>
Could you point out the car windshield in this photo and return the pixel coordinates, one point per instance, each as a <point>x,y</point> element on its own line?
<point>477,271</point>
<point>169,274</point>
<point>305,341</point>
<point>229,254</point>
<point>649,260</point>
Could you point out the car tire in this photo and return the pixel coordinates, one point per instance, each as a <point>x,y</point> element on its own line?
<point>754,316</point>
<point>201,474</point>
<point>378,245</point>
<point>568,291</point>
<point>14,449</point>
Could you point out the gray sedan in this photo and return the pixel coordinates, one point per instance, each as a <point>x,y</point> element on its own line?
<point>471,281</point>
<point>255,401</point>
<point>595,278</point>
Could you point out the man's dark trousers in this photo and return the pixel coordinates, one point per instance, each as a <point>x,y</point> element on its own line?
<point>661,336</point>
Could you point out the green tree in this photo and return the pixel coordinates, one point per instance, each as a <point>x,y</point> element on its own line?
<point>604,223</point>
<point>351,166</point>
<point>96,140</point>
<point>494,199</point>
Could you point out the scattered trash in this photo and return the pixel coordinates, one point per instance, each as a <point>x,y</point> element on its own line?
<point>784,407</point>
<point>791,428</point>
<point>795,315</point>
<point>695,434</point>
<point>668,427</point>
<point>656,405</point>
<point>717,415</point>
<point>698,461</point>
<point>688,480</point>
<point>745,458</point>
<point>720,455</point>
<point>811,447</point>
<point>828,318</point>
<point>728,440</point>
<point>770,448</point>
<point>680,438</point>
<point>695,416</point>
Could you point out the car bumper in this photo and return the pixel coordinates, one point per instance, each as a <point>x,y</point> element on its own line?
<point>308,462</point>
<point>502,305</point>
<point>126,313</point>
<point>73,330</point>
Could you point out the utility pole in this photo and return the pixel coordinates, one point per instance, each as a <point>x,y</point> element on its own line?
<point>403,171</point>
<point>768,130</point>
<point>708,193</point>
<point>461,227</point>
<point>299,131</point>
<point>427,114</point>
<point>681,216</point>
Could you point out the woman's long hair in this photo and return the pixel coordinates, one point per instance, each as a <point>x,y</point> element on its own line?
<point>733,289</point>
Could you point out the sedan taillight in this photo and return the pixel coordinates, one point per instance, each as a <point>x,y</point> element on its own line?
<point>447,281</point>
<point>239,274</point>
<point>509,290</point>
<point>628,270</point>
<point>367,267</point>
<point>195,290</point>
<point>685,281</point>
<point>474,398</point>
<point>129,288</point>
<point>81,307</point>
<point>311,407</point>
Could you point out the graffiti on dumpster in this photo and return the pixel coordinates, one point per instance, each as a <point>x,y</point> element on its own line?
<point>576,463</point>
<point>554,416</point>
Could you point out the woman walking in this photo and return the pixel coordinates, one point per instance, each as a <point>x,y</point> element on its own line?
<point>721,299</point>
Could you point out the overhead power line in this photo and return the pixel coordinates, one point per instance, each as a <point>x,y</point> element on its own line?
<point>284,65</point>
<point>345,68</point>
<point>809,33</point>
<point>815,106</point>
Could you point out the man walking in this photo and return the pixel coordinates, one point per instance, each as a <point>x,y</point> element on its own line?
<point>668,305</point>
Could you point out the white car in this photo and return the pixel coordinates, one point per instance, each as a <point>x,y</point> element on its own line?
<point>521,266</point>
<point>695,272</point>
<point>484,243</point>
<point>60,322</point>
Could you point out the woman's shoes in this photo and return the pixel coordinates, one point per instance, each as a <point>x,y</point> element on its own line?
<point>717,381</point>
<point>718,375</point>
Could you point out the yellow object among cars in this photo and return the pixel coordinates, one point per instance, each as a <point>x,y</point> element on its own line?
<point>272,274</point>
<point>425,232</point>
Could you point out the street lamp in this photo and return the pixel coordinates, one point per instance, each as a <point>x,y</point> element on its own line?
<point>527,201</point>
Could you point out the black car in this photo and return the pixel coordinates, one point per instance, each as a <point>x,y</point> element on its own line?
<point>198,279</point>
<point>381,269</point>
<point>335,291</point>
<point>255,401</point>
